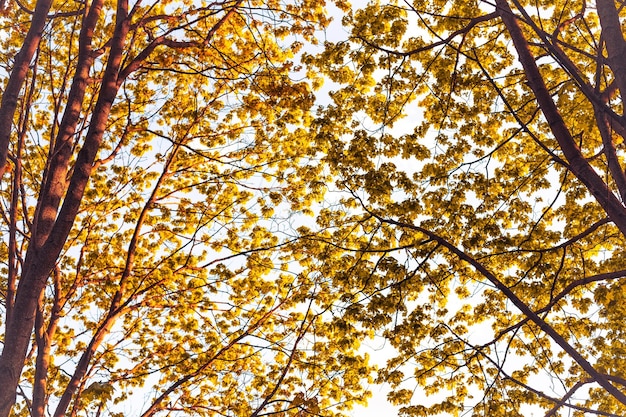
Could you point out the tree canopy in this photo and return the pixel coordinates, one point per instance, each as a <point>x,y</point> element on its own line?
<point>152,155</point>
<point>482,148</point>
<point>192,227</point>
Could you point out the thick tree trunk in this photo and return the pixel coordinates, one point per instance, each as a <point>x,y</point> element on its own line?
<point>19,330</point>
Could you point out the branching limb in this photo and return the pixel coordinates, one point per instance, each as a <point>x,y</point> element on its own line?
<point>523,307</point>
<point>579,166</point>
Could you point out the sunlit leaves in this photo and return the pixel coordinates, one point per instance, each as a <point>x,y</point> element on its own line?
<point>178,283</point>
<point>433,126</point>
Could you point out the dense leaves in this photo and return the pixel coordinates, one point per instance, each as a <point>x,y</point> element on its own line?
<point>190,226</point>
<point>481,146</point>
<point>153,188</point>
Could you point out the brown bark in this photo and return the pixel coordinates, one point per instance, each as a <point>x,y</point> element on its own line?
<point>116,307</point>
<point>11,93</point>
<point>52,224</point>
<point>615,168</point>
<point>43,338</point>
<point>55,184</point>
<point>18,331</point>
<point>553,45</point>
<point>83,364</point>
<point>13,266</point>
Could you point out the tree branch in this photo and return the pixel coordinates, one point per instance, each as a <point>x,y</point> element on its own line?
<point>523,307</point>
<point>579,166</point>
<point>11,92</point>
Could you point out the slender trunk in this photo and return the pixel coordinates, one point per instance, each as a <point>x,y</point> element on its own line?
<point>83,364</point>
<point>11,93</point>
<point>40,382</point>
<point>13,266</point>
<point>116,308</point>
<point>43,337</point>
<point>42,254</point>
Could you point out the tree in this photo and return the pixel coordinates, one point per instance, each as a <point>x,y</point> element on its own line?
<point>153,162</point>
<point>481,147</point>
